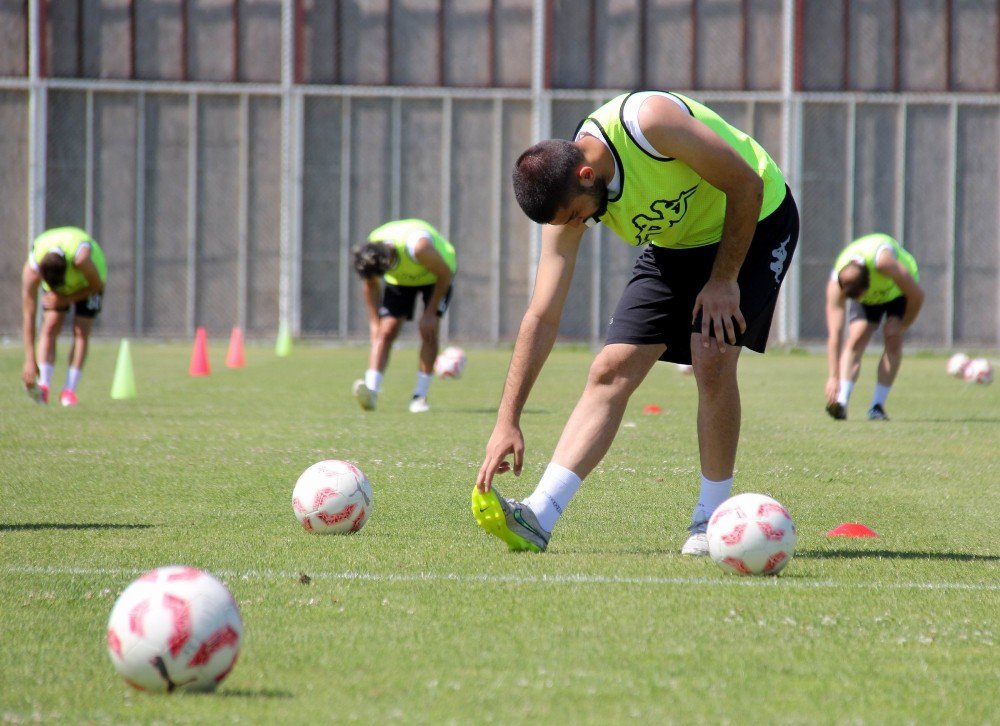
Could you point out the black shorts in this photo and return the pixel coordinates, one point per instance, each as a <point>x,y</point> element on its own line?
<point>895,308</point>
<point>657,303</point>
<point>400,302</point>
<point>87,308</point>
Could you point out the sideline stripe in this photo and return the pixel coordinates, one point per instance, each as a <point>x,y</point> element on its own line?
<point>573,579</point>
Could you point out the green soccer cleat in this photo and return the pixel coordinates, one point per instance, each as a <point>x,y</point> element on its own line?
<point>511,521</point>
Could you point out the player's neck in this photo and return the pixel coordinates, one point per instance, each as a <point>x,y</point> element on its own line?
<point>598,156</point>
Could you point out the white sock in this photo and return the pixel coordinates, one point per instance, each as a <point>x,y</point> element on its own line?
<point>844,394</point>
<point>423,383</point>
<point>712,494</point>
<point>557,487</point>
<point>881,393</point>
<point>72,378</point>
<point>373,380</point>
<point>45,371</point>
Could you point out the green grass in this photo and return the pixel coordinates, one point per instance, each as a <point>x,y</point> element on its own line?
<point>421,617</point>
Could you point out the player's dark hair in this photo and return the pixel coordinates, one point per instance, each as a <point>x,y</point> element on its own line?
<point>372,259</point>
<point>545,178</point>
<point>53,269</point>
<point>854,280</point>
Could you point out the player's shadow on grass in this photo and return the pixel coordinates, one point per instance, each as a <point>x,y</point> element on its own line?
<point>492,411</point>
<point>972,420</point>
<point>895,555</point>
<point>30,526</point>
<point>247,693</point>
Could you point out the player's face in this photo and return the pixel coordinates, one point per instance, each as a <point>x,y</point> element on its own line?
<point>591,202</point>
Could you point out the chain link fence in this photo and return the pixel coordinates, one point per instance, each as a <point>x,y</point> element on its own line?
<point>228,153</point>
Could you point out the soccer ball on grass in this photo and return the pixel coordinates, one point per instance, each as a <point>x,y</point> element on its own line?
<point>174,628</point>
<point>332,497</point>
<point>957,365</point>
<point>751,534</point>
<point>979,370</point>
<point>450,363</point>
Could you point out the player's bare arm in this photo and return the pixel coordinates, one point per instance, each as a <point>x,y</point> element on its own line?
<point>535,338</point>
<point>30,280</point>
<point>836,302</point>
<point>428,256</point>
<point>372,292</point>
<point>674,133</point>
<point>888,265</point>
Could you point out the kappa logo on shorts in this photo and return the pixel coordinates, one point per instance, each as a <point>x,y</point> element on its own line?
<point>780,254</point>
<point>670,211</point>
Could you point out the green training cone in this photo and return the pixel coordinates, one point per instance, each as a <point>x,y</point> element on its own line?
<point>123,385</point>
<point>283,347</point>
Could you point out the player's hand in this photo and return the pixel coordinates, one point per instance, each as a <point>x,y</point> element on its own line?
<point>719,304</point>
<point>29,374</point>
<point>832,388</point>
<point>52,300</point>
<point>505,441</point>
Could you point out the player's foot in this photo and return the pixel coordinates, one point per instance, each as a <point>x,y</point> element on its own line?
<point>419,405</point>
<point>68,398</point>
<point>697,541</point>
<point>511,521</point>
<point>364,395</point>
<point>37,393</point>
<point>836,410</point>
<point>877,413</point>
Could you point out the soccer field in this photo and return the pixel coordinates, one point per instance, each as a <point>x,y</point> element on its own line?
<point>422,617</point>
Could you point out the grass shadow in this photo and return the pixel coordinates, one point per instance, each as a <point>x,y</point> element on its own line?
<point>33,526</point>
<point>895,555</point>
<point>247,693</point>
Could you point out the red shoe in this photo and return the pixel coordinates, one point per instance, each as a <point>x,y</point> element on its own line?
<point>66,398</point>
<point>39,392</point>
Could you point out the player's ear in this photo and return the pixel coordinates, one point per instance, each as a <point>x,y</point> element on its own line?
<point>586,175</point>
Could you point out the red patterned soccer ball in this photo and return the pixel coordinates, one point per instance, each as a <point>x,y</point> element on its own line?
<point>332,497</point>
<point>957,365</point>
<point>979,370</point>
<point>450,363</point>
<point>751,534</point>
<point>175,628</point>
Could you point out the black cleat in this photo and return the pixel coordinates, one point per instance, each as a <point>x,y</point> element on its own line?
<point>837,411</point>
<point>877,413</point>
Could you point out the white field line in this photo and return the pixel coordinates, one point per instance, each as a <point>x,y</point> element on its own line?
<point>570,579</point>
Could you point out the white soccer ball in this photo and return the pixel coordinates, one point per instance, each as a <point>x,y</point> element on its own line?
<point>979,370</point>
<point>450,363</point>
<point>175,628</point>
<point>957,365</point>
<point>751,534</point>
<point>332,497</point>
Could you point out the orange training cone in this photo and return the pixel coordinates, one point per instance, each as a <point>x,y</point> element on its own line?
<point>852,529</point>
<point>234,358</point>
<point>199,356</point>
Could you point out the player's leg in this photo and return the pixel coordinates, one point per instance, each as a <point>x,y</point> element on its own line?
<point>82,327</point>
<point>767,261</point>
<point>859,333</point>
<point>396,306</point>
<point>888,366</point>
<point>718,426</point>
<point>586,438</point>
<point>84,314</point>
<point>430,335</point>
<point>52,322</point>
<point>614,375</point>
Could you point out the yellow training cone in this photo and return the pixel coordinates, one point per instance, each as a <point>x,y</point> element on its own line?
<point>283,347</point>
<point>123,385</point>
